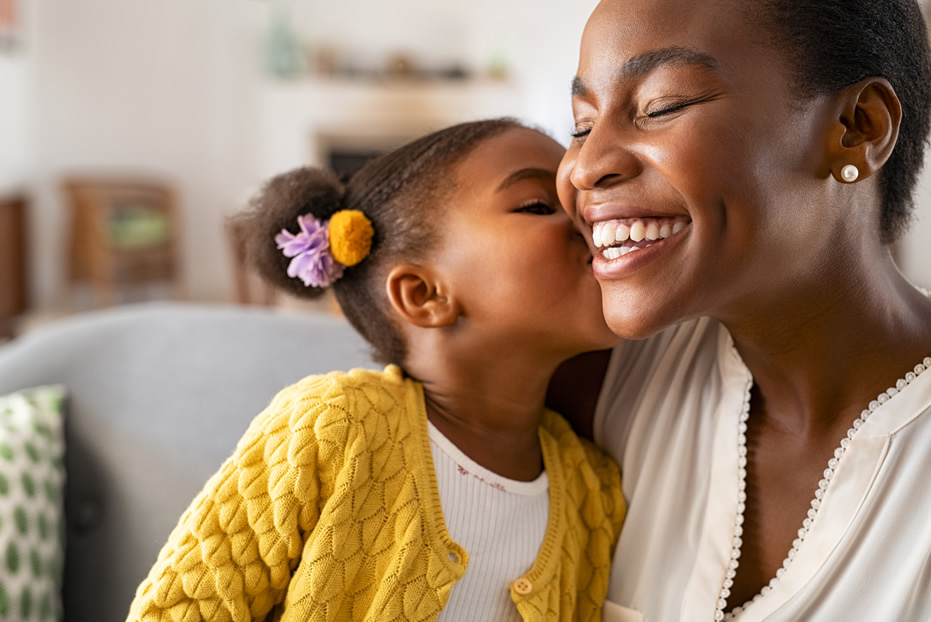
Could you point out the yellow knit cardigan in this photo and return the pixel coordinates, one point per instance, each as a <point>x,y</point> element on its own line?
<point>329,510</point>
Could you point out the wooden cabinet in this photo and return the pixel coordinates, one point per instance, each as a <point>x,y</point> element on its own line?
<point>13,298</point>
<point>123,232</point>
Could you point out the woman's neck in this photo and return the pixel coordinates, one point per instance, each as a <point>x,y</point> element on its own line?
<point>819,355</point>
<point>490,407</point>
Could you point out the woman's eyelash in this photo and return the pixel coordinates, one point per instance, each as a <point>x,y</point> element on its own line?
<point>671,108</point>
<point>667,110</point>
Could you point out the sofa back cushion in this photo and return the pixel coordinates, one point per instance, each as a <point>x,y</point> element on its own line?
<point>159,394</point>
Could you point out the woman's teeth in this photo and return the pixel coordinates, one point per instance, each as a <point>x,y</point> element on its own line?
<point>613,235</point>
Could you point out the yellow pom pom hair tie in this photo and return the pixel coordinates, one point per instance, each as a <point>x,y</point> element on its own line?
<point>350,236</point>
<point>322,249</point>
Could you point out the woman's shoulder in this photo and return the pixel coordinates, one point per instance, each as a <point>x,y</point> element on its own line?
<point>678,339</point>
<point>635,361</point>
<point>667,368</point>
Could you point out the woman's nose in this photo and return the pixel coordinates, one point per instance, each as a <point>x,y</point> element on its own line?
<point>602,158</point>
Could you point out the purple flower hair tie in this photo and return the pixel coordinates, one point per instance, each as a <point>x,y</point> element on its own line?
<point>312,261</point>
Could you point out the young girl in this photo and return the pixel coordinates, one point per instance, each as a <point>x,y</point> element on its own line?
<point>441,487</point>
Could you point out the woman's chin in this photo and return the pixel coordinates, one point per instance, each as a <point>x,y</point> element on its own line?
<point>634,321</point>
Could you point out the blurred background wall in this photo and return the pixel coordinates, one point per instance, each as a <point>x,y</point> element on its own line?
<point>180,89</point>
<point>211,96</point>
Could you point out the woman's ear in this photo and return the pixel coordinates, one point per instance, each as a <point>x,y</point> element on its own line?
<point>420,297</point>
<point>866,131</point>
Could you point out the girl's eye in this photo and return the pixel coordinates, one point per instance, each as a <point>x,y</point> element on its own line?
<point>536,207</point>
<point>580,132</point>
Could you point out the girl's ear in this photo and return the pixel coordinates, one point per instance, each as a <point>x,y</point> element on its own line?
<point>420,297</point>
<point>866,129</point>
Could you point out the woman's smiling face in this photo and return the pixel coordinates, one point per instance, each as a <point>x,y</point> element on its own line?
<point>694,169</point>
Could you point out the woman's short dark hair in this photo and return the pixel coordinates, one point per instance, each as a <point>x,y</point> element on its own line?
<point>831,44</point>
<point>400,192</point>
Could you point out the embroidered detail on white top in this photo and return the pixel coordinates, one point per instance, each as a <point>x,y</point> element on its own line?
<point>725,593</point>
<point>466,466</point>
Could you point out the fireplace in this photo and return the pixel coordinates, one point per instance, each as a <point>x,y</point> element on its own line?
<point>347,153</point>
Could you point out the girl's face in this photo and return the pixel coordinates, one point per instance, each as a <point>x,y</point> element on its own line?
<point>515,259</point>
<point>695,163</point>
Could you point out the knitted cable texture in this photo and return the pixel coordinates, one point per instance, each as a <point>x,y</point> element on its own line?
<point>573,568</point>
<point>328,510</point>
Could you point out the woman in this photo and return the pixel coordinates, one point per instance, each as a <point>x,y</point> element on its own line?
<point>742,169</point>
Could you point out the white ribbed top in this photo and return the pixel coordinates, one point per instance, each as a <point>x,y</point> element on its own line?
<point>499,521</point>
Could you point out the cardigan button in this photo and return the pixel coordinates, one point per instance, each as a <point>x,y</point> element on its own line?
<point>523,586</point>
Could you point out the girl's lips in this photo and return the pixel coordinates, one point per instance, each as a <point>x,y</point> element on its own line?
<point>620,259</point>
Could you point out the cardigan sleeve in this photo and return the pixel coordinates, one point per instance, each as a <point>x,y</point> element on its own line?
<point>231,556</point>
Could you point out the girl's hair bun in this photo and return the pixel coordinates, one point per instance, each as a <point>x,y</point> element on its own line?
<point>302,191</point>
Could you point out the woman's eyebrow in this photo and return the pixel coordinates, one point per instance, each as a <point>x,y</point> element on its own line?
<point>526,173</point>
<point>642,64</point>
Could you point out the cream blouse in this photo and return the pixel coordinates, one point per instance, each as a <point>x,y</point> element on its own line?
<point>669,413</point>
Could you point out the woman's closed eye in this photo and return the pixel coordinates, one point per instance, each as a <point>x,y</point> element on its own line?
<point>580,132</point>
<point>666,106</point>
<point>668,109</point>
<point>659,109</point>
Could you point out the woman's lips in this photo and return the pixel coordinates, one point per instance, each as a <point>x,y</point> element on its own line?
<point>618,237</point>
<point>623,258</point>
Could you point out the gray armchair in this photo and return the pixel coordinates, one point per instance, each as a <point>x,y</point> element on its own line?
<point>158,396</point>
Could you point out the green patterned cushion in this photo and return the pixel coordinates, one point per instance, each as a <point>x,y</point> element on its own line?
<point>31,496</point>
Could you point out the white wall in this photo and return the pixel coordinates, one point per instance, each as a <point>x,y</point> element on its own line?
<point>155,88</point>
<point>915,248</point>
<point>169,88</point>
<point>16,90</point>
<point>15,120</point>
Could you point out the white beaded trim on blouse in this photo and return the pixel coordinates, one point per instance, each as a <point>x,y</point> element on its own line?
<point>737,542</point>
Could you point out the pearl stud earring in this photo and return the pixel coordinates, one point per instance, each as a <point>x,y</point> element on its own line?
<point>849,173</point>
